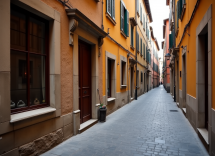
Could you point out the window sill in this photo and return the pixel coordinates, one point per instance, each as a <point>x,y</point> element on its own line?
<point>138,51</point>
<point>204,133</point>
<point>123,34</point>
<point>111,19</point>
<point>141,22</point>
<point>110,99</point>
<point>30,114</point>
<point>123,86</point>
<point>138,14</point>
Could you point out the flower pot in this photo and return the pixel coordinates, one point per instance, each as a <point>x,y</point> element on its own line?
<point>102,114</point>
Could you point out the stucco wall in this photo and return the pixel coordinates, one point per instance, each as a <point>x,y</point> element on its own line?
<point>94,12</point>
<point>190,41</point>
<point>66,58</point>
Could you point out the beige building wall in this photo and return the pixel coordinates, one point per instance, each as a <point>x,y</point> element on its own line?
<point>24,133</point>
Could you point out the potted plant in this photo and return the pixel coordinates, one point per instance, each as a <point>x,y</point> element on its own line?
<point>101,111</point>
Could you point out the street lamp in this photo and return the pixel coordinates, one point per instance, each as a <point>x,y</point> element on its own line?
<point>167,56</point>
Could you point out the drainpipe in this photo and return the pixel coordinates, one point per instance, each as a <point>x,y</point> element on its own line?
<point>102,15</point>
<point>136,51</point>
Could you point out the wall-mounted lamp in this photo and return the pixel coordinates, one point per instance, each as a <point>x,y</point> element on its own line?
<point>167,56</point>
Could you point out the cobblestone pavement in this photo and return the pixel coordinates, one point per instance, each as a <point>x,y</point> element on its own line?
<point>143,127</point>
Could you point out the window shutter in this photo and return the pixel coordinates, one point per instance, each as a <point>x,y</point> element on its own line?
<point>144,50</point>
<point>113,9</point>
<point>138,42</point>
<point>122,16</point>
<point>138,6</point>
<point>127,23</point>
<point>141,46</point>
<point>143,21</point>
<point>108,7</point>
<point>141,13</point>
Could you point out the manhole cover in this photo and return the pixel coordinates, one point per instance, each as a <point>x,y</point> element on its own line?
<point>173,110</point>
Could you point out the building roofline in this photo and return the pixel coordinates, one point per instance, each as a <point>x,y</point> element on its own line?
<point>148,10</point>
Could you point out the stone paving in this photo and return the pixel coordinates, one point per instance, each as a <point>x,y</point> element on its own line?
<point>143,127</point>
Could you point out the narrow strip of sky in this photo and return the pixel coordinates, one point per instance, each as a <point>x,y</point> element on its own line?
<point>160,11</point>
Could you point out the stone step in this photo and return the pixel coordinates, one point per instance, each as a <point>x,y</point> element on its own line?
<point>84,126</point>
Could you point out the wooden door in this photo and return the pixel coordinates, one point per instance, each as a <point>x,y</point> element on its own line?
<point>84,81</point>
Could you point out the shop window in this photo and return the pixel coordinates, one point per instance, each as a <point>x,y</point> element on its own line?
<point>29,61</point>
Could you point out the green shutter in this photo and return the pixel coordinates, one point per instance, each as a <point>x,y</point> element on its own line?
<point>143,50</point>
<point>108,7</point>
<point>127,23</point>
<point>143,21</point>
<point>121,16</point>
<point>113,9</point>
<point>170,41</point>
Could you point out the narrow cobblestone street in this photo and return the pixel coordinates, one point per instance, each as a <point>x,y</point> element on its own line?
<point>143,127</point>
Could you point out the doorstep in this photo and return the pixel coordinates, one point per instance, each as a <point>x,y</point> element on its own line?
<point>84,126</point>
<point>177,104</point>
<point>184,110</point>
<point>203,135</point>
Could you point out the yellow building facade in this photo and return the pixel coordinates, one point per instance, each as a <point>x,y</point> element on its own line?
<point>192,30</point>
<point>125,52</point>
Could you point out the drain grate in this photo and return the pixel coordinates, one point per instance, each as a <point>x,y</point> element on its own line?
<point>173,110</point>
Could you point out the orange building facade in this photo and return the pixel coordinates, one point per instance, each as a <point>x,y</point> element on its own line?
<point>60,60</point>
<point>51,72</point>
<point>192,37</point>
<point>165,47</point>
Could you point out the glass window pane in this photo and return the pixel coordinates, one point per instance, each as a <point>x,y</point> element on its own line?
<point>37,35</point>
<point>18,80</point>
<point>18,31</point>
<point>38,83</point>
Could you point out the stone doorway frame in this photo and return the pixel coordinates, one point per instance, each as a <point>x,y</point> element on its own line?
<point>205,22</point>
<point>184,77</point>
